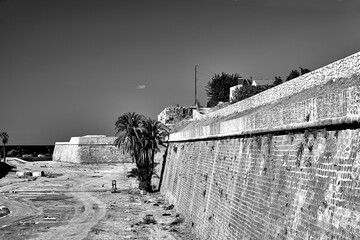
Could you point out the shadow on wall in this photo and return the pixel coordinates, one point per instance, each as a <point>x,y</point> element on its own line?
<point>5,169</point>
<point>163,166</point>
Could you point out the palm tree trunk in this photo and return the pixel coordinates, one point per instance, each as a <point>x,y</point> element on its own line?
<point>152,160</point>
<point>4,153</point>
<point>163,165</point>
<point>146,173</point>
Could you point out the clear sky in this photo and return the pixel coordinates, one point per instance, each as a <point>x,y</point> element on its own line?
<point>71,67</point>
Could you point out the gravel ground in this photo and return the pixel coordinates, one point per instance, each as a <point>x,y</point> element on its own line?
<point>75,201</point>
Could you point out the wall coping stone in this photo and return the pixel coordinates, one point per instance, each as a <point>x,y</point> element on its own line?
<point>348,120</point>
<point>341,107</point>
<point>89,140</point>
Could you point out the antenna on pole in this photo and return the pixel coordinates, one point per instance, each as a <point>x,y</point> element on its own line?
<point>195,84</point>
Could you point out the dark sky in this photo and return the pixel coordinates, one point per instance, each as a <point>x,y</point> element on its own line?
<point>70,68</point>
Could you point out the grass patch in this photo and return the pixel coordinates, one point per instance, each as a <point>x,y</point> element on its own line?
<point>148,219</point>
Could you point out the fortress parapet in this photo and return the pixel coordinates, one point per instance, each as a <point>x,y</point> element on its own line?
<point>89,149</point>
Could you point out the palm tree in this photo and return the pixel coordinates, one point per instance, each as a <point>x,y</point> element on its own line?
<point>5,138</point>
<point>154,135</point>
<point>141,138</point>
<point>128,126</point>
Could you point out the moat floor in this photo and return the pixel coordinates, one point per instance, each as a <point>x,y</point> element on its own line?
<point>75,202</point>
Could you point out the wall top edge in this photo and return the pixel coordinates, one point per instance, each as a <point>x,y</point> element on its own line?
<point>90,139</point>
<point>84,144</point>
<point>345,122</point>
<point>342,68</point>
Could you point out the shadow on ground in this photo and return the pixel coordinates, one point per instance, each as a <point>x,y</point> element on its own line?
<point>5,169</point>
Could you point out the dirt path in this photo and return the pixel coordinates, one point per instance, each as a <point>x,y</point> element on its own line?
<point>81,222</point>
<point>20,211</point>
<point>76,203</point>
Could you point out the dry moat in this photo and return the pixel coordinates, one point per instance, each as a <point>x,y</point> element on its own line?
<point>74,201</point>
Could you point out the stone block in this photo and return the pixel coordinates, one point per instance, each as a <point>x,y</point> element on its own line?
<point>38,174</point>
<point>24,174</point>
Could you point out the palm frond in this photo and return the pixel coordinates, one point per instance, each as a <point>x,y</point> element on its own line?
<point>4,137</point>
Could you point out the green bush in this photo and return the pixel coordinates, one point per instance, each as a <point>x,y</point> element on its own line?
<point>248,91</point>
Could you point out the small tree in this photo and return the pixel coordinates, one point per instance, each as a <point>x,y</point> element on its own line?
<point>5,138</point>
<point>278,81</point>
<point>14,153</point>
<point>247,91</point>
<point>295,73</point>
<point>218,89</point>
<point>304,71</point>
<point>142,138</point>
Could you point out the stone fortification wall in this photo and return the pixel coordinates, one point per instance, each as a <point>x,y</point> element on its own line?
<point>336,102</point>
<point>290,186</point>
<point>89,149</point>
<point>287,169</point>
<point>339,69</point>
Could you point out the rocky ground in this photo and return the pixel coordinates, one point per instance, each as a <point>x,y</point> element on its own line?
<point>76,202</point>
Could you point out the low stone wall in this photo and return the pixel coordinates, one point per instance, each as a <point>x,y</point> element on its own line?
<point>90,150</point>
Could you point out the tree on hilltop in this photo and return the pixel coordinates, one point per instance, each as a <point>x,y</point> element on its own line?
<point>278,81</point>
<point>304,71</point>
<point>247,91</point>
<point>218,89</point>
<point>295,73</point>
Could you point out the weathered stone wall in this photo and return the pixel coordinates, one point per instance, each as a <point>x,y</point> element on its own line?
<point>339,69</point>
<point>285,169</point>
<point>333,103</point>
<point>287,186</point>
<point>89,150</point>
<point>66,153</point>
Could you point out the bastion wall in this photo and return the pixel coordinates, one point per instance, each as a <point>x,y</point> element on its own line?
<point>288,168</point>
<point>89,150</point>
<point>340,69</point>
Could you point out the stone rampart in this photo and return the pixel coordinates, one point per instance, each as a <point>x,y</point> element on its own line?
<point>339,69</point>
<point>89,150</point>
<point>336,102</point>
<point>290,186</point>
<point>283,169</point>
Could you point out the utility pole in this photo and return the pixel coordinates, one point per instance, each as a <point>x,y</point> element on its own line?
<point>195,83</point>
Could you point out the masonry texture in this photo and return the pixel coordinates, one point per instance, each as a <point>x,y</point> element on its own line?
<point>90,149</point>
<point>294,186</point>
<point>337,70</point>
<point>285,169</point>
